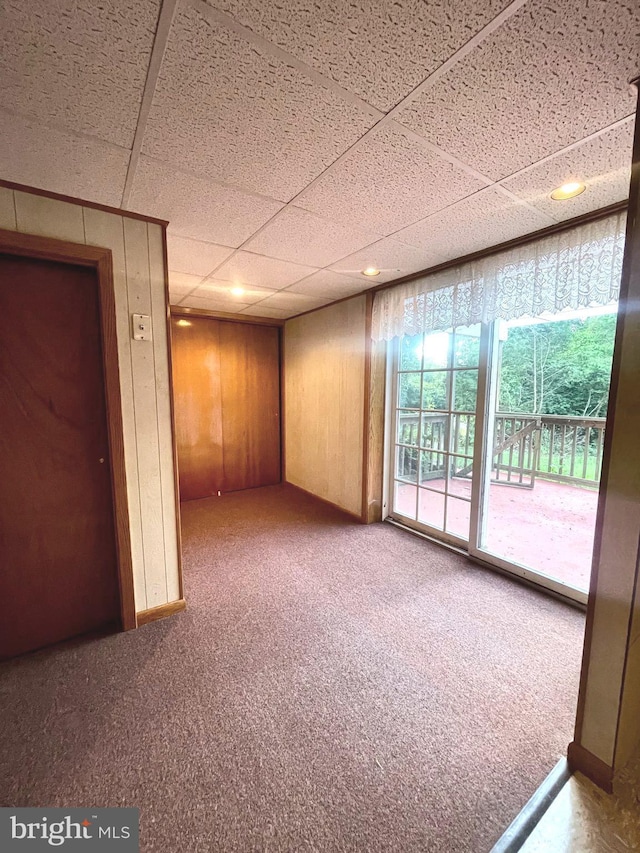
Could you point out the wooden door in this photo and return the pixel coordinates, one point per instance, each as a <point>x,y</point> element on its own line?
<point>226,379</point>
<point>58,566</point>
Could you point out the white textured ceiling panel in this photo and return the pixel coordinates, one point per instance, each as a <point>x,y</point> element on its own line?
<point>389,181</point>
<point>194,256</point>
<point>478,222</point>
<point>330,284</point>
<point>197,208</point>
<point>180,283</point>
<point>270,313</point>
<point>81,63</point>
<point>551,75</point>
<point>378,49</point>
<point>302,237</point>
<point>39,157</point>
<point>214,302</point>
<point>225,110</point>
<point>297,302</point>
<point>222,290</point>
<point>603,164</point>
<point>247,268</point>
<point>393,258</point>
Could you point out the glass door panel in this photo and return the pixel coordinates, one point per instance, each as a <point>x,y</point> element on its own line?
<point>435,418</point>
<point>546,414</point>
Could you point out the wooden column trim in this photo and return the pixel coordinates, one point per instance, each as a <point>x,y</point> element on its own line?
<point>161,612</point>
<point>585,762</point>
<point>46,248</point>
<point>174,444</point>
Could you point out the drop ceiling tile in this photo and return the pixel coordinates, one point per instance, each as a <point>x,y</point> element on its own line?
<point>393,258</point>
<point>551,75</point>
<point>196,208</point>
<point>182,283</point>
<point>378,50</point>
<point>194,256</point>
<point>603,164</point>
<point>389,181</point>
<point>304,238</point>
<point>221,290</point>
<point>77,62</point>
<point>39,157</point>
<point>330,285</point>
<point>225,109</point>
<point>247,268</point>
<point>270,313</point>
<point>213,303</point>
<point>297,302</point>
<point>476,223</point>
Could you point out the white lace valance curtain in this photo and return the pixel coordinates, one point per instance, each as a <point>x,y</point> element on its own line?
<point>572,269</point>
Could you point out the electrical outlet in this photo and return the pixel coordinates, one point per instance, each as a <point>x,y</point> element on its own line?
<point>141,324</point>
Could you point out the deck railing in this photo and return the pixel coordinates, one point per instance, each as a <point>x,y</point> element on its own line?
<point>555,447</point>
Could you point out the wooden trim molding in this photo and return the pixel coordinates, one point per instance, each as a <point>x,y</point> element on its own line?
<point>179,311</point>
<point>373,424</point>
<point>161,612</point>
<point>174,443</point>
<point>585,762</point>
<point>118,211</point>
<point>46,248</point>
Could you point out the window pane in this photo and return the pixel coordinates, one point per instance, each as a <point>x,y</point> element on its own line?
<point>465,383</point>
<point>458,517</point>
<point>407,464</point>
<point>460,477</point>
<point>407,428</point>
<point>409,390</point>
<point>463,434</point>
<point>431,508</point>
<point>411,352</point>
<point>436,350</point>
<point>467,346</point>
<point>434,432</point>
<point>432,469</point>
<point>435,393</point>
<point>404,499</point>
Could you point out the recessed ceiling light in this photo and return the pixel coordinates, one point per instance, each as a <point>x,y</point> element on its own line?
<point>184,323</point>
<point>371,271</point>
<point>237,291</point>
<point>568,190</point>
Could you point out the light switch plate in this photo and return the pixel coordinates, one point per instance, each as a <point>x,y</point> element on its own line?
<point>141,324</point>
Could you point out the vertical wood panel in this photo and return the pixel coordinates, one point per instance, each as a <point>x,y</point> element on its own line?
<point>7,210</point>
<point>146,416</point>
<point>48,217</point>
<point>198,405</point>
<point>250,391</point>
<point>159,310</point>
<point>145,422</point>
<point>324,365</point>
<point>105,229</point>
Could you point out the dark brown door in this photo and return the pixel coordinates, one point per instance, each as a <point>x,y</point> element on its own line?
<point>226,379</point>
<point>58,569</point>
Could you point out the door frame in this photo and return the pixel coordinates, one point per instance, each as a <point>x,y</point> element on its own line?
<point>99,259</point>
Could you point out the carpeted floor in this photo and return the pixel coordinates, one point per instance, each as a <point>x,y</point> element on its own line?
<point>331,687</point>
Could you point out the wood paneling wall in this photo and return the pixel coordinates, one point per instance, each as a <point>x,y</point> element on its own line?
<point>139,282</point>
<point>324,381</point>
<point>227,393</point>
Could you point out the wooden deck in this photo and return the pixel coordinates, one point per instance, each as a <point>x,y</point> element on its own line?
<point>548,528</point>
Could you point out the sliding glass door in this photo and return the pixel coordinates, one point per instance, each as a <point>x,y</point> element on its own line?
<point>497,440</point>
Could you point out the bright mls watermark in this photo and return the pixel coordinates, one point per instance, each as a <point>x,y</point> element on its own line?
<point>83,830</point>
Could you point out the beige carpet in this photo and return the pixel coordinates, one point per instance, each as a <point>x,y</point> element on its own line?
<point>331,687</point>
